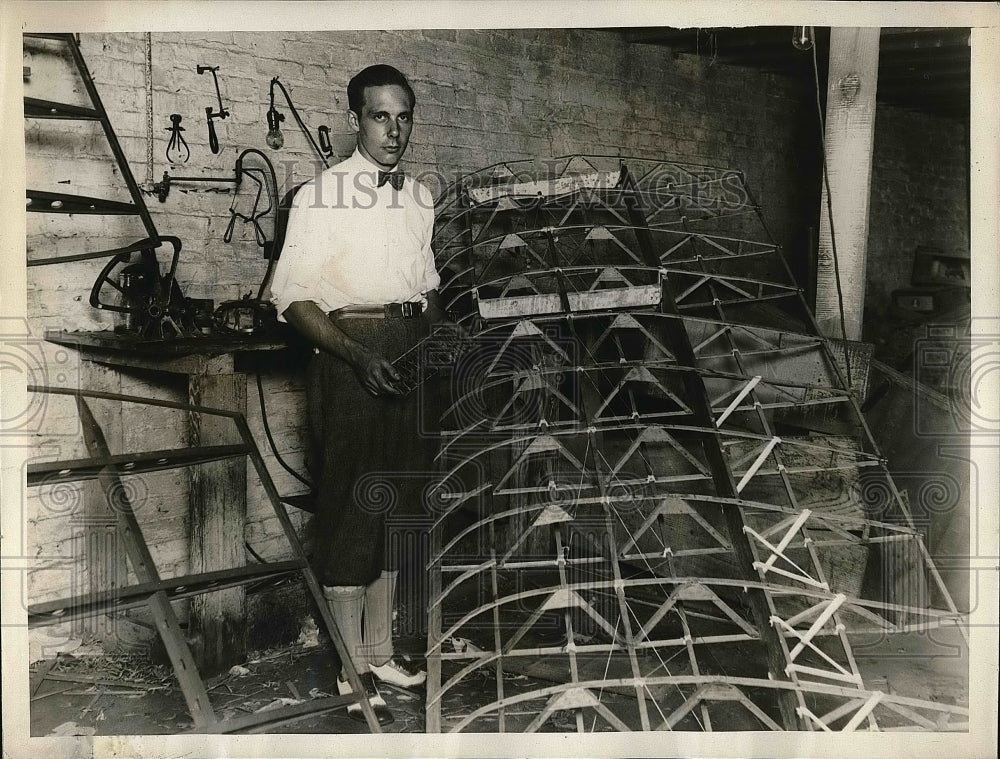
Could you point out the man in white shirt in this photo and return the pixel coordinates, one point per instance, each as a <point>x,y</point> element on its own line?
<point>357,278</point>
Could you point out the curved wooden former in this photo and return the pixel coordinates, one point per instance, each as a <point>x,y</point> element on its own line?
<point>659,512</point>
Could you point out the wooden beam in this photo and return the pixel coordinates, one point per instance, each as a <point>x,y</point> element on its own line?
<point>850,129</point>
<point>218,519</point>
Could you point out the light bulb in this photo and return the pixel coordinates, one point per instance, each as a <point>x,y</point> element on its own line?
<point>275,139</point>
<point>802,37</point>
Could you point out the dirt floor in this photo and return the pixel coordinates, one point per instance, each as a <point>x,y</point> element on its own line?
<point>109,695</point>
<point>90,693</point>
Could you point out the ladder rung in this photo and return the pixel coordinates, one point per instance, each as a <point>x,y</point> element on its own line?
<point>58,37</point>
<point>51,472</point>
<point>58,202</point>
<point>129,597</point>
<point>49,109</point>
<point>279,716</point>
<point>146,244</point>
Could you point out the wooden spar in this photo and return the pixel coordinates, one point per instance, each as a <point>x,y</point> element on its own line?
<point>827,521</point>
<point>677,337</point>
<point>800,575</point>
<point>850,131</point>
<point>929,616</point>
<point>722,248</point>
<point>492,425</point>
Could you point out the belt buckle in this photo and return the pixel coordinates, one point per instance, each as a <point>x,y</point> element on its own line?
<point>408,310</point>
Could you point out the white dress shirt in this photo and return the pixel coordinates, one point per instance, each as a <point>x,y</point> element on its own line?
<point>349,242</point>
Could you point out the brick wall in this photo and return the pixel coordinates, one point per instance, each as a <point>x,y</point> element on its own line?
<point>920,196</point>
<point>482,97</point>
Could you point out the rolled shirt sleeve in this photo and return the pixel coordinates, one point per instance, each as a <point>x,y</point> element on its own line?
<point>296,272</point>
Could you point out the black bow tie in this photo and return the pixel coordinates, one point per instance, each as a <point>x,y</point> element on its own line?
<point>395,178</point>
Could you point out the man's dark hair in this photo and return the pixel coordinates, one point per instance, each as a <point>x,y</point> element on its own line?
<point>378,75</point>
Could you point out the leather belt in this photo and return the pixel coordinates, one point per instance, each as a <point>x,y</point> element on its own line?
<point>405,310</point>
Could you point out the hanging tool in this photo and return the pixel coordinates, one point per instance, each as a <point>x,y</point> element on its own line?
<point>275,140</point>
<point>248,315</point>
<point>177,141</point>
<point>222,113</point>
<point>324,140</point>
<point>260,177</point>
<point>252,315</point>
<point>265,180</point>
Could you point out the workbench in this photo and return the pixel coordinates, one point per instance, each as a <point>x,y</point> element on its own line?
<point>215,371</point>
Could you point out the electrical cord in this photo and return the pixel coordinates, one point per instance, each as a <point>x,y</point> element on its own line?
<point>255,215</point>
<point>270,437</point>
<point>259,559</point>
<point>829,211</point>
<point>253,218</point>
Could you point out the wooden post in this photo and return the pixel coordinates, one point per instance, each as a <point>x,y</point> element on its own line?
<point>218,516</point>
<point>95,531</point>
<point>850,122</point>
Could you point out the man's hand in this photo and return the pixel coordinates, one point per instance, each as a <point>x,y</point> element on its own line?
<point>377,375</point>
<point>439,319</point>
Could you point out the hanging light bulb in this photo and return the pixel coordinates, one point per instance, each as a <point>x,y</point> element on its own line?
<point>803,37</point>
<point>275,139</point>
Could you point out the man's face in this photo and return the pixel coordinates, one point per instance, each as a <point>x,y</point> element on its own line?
<point>384,124</point>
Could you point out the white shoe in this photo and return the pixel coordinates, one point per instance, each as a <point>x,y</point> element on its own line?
<point>398,671</point>
<point>382,713</point>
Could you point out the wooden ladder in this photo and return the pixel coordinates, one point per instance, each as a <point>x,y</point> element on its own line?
<point>156,593</point>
